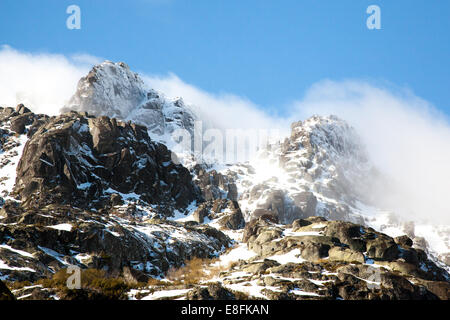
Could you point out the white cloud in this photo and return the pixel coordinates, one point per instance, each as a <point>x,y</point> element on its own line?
<point>227,111</point>
<point>43,82</point>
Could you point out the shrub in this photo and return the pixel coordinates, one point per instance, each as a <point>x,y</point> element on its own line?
<point>95,284</point>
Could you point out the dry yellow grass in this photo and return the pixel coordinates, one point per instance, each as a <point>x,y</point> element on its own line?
<point>196,270</point>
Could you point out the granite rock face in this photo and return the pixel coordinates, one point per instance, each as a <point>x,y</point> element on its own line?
<point>82,160</point>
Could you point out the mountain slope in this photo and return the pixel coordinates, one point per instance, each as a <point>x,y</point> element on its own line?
<point>91,189</point>
<point>322,168</point>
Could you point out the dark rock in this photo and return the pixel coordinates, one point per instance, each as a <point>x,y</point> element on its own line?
<point>201,213</point>
<point>214,185</point>
<point>232,192</point>
<point>10,208</point>
<point>314,251</point>
<point>382,248</point>
<point>75,159</point>
<point>300,223</point>
<point>214,291</point>
<point>21,109</point>
<point>18,124</point>
<point>102,241</point>
<point>440,288</point>
<point>133,276</point>
<point>404,241</point>
<point>348,233</point>
<point>260,267</point>
<point>235,219</point>
<point>345,255</point>
<point>116,199</point>
<point>5,294</point>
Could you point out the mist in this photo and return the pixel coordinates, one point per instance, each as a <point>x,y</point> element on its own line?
<point>43,82</point>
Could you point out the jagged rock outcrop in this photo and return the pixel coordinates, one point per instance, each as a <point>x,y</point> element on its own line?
<point>213,184</point>
<point>226,212</point>
<point>82,160</point>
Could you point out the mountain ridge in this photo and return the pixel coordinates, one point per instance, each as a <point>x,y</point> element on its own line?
<point>101,191</point>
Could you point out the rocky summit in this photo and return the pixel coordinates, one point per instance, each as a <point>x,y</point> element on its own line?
<point>95,194</point>
<point>113,90</point>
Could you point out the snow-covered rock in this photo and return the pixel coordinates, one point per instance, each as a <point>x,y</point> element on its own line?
<point>113,90</point>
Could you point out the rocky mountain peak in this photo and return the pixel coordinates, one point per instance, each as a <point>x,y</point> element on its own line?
<point>113,90</point>
<point>110,89</point>
<point>329,134</point>
<point>320,169</point>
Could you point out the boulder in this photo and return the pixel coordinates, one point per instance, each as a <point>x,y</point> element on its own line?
<point>232,192</point>
<point>116,199</point>
<point>21,109</point>
<point>260,267</point>
<point>348,233</point>
<point>299,223</point>
<point>382,248</point>
<point>253,228</point>
<point>345,255</point>
<point>18,124</point>
<point>213,291</point>
<point>233,220</point>
<point>314,251</point>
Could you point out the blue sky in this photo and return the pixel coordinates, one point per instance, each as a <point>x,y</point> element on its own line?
<point>270,52</point>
